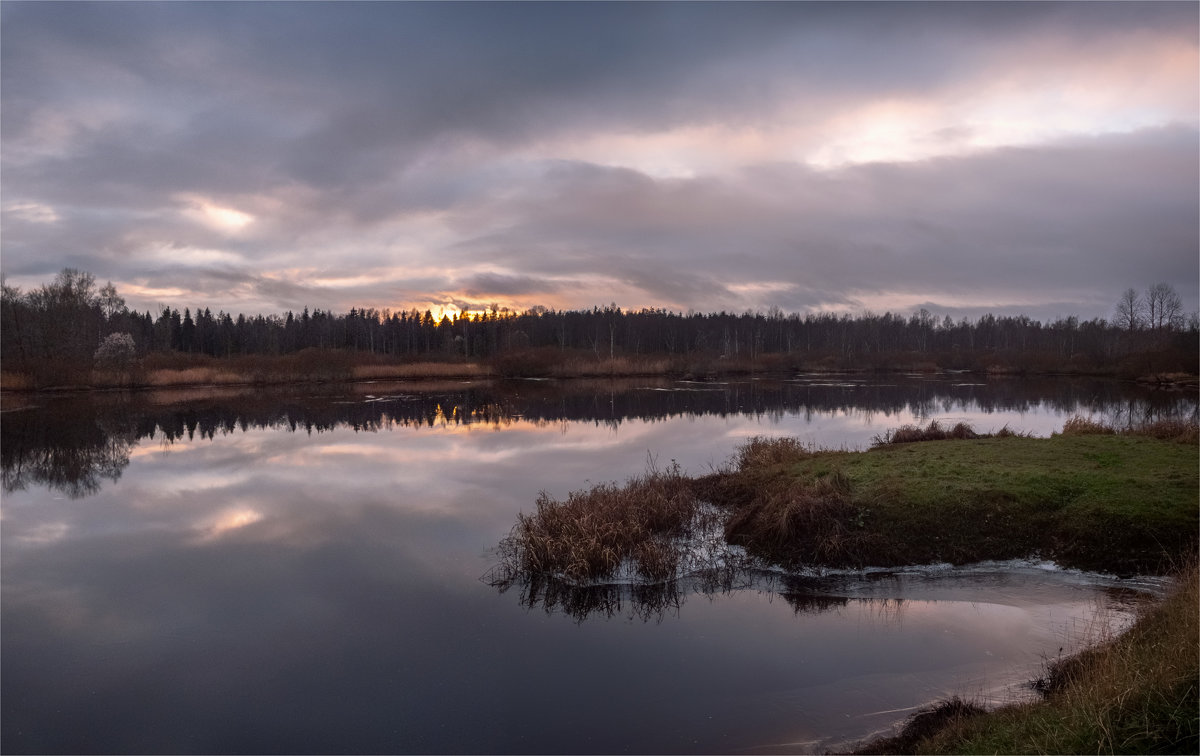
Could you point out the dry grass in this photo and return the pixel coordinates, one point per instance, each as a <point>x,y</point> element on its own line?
<point>907,434</point>
<point>1180,431</point>
<point>1082,426</point>
<point>591,535</point>
<point>419,371</point>
<point>926,723</point>
<point>624,366</point>
<point>794,520</point>
<point>760,452</point>
<point>195,377</point>
<point>15,382</point>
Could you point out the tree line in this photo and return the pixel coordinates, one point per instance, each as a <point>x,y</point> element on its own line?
<point>65,322</point>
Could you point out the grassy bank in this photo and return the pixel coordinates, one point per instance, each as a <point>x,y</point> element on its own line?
<point>1088,498</point>
<point>1137,693</point>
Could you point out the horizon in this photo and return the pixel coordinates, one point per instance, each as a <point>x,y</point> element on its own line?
<point>966,159</point>
<point>1186,320</point>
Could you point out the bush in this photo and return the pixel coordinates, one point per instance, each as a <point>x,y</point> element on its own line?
<point>116,352</point>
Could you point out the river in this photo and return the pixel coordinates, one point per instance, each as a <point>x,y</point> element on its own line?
<point>303,570</point>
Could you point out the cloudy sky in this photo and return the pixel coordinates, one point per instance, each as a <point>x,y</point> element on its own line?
<point>261,157</point>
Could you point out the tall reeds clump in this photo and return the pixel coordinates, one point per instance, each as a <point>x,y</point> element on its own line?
<point>1168,429</point>
<point>760,452</point>
<point>907,434</point>
<point>595,533</point>
<point>1083,426</point>
<point>1179,431</point>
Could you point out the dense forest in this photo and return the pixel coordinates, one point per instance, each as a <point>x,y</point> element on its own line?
<point>72,324</point>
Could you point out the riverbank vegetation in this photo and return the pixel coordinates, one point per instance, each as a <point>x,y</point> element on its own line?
<point>1136,693</point>
<point>58,335</point>
<point>1091,496</point>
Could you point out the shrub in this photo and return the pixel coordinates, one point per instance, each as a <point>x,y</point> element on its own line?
<point>116,352</point>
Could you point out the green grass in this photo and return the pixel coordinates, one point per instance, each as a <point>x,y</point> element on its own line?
<point>1115,502</point>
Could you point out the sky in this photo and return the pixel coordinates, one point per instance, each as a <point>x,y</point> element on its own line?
<point>1032,158</point>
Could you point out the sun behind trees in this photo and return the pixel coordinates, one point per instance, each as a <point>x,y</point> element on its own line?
<point>52,336</point>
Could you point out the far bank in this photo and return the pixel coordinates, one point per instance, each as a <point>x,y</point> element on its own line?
<point>174,369</point>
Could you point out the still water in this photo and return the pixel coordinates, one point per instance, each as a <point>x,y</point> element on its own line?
<point>300,570</point>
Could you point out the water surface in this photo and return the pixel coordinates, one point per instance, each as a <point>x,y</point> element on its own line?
<point>299,570</point>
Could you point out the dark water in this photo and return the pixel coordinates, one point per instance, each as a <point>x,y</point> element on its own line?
<point>300,571</point>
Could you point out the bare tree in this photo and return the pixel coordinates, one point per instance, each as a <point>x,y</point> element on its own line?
<point>111,303</point>
<point>1130,311</point>
<point>1164,308</point>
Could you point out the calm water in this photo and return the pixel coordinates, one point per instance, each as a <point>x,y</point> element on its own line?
<point>300,571</point>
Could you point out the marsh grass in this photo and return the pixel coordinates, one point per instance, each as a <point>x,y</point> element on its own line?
<point>419,371</point>
<point>599,533</point>
<point>1167,429</point>
<point>1082,426</point>
<point>760,452</point>
<point>926,723</point>
<point>935,431</point>
<point>792,520</point>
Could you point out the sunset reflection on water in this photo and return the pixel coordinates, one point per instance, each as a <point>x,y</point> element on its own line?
<point>301,572</point>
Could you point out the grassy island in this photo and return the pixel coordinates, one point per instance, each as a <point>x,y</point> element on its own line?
<point>1088,497</point>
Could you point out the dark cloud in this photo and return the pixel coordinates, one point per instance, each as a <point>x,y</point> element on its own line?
<point>414,143</point>
<point>484,284</point>
<point>1085,214</point>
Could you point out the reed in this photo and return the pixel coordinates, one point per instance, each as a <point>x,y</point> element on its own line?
<point>760,452</point>
<point>419,371</point>
<point>1082,426</point>
<point>907,434</point>
<point>1168,429</point>
<point>196,376</point>
<point>593,533</point>
<point>1179,431</point>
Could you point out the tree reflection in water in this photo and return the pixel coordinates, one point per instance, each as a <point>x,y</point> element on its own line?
<point>73,444</point>
<point>655,602</point>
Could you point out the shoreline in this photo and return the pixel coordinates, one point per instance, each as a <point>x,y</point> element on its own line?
<point>223,375</point>
<point>1087,498</point>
